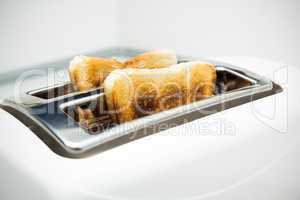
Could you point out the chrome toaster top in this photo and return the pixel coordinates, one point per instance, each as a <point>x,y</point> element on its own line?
<point>50,112</point>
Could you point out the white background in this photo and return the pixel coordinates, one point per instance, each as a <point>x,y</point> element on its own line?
<point>36,31</point>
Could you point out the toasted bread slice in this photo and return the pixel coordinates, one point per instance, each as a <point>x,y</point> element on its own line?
<point>88,72</point>
<point>133,93</point>
<point>152,59</point>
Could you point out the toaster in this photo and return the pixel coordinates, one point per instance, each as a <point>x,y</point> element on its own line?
<point>221,147</point>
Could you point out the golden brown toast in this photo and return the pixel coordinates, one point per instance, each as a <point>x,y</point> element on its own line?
<point>152,59</point>
<point>133,93</point>
<point>88,72</point>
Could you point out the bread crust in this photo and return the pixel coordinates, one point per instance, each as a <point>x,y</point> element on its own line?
<point>152,59</point>
<point>134,93</point>
<point>89,72</point>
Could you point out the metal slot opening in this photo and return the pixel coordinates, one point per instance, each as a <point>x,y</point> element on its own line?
<point>91,112</point>
<point>53,92</point>
<point>228,81</point>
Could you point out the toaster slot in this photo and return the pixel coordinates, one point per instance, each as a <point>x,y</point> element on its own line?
<point>52,92</point>
<point>90,113</point>
<point>59,93</point>
<point>229,81</point>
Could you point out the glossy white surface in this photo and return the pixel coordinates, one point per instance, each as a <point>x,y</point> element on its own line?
<point>257,157</point>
